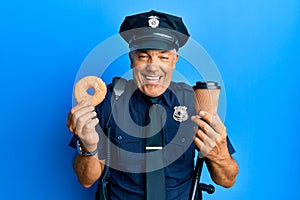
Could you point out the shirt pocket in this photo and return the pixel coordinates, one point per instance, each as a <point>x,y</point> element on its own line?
<point>180,152</point>
<point>126,151</point>
<point>179,148</point>
<point>175,147</point>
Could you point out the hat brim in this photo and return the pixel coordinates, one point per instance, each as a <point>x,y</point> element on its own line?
<point>152,45</point>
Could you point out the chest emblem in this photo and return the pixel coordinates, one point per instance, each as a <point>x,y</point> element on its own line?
<point>153,21</point>
<point>180,114</point>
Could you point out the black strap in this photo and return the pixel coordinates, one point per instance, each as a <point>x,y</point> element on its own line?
<point>119,85</point>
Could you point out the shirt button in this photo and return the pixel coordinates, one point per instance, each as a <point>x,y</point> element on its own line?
<point>120,137</point>
<point>183,140</point>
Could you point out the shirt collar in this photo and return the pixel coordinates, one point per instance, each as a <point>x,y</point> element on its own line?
<point>165,97</point>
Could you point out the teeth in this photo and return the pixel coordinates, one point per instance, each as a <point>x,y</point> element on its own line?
<point>152,78</point>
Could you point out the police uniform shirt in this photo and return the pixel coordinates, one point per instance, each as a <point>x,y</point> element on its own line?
<point>127,152</point>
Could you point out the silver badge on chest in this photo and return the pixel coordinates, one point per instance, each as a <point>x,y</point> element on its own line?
<point>180,113</point>
<point>153,21</point>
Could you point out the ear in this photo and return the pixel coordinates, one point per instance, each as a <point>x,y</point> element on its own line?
<point>176,57</point>
<point>175,60</point>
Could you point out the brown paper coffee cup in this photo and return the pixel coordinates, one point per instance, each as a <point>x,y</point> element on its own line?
<point>206,97</point>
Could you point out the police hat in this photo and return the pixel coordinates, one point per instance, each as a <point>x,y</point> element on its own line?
<point>154,30</point>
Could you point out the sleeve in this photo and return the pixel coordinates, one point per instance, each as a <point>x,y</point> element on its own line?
<point>230,146</point>
<point>73,141</point>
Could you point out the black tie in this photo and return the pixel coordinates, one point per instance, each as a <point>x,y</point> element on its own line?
<point>155,180</point>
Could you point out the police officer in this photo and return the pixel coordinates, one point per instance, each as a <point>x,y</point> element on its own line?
<point>154,39</point>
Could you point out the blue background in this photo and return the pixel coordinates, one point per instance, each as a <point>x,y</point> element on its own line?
<point>255,45</point>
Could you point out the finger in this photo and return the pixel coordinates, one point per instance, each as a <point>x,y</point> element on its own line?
<point>203,149</point>
<point>69,122</point>
<point>69,125</point>
<point>90,125</point>
<point>209,131</point>
<point>78,107</point>
<point>204,126</point>
<point>207,141</point>
<point>206,116</point>
<point>198,142</point>
<point>218,125</point>
<point>196,120</point>
<point>71,113</point>
<point>215,122</point>
<point>200,134</point>
<point>83,120</point>
<point>89,135</point>
<point>79,113</point>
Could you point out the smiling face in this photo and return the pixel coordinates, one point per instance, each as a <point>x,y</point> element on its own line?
<point>152,70</point>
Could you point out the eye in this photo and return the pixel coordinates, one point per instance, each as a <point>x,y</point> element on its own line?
<point>143,56</point>
<point>164,57</point>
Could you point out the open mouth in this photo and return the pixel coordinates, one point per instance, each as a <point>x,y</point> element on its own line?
<point>152,79</point>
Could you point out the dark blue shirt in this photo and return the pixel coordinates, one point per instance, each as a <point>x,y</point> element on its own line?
<point>127,121</point>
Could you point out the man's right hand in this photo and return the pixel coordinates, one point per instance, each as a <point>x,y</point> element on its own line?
<point>82,120</point>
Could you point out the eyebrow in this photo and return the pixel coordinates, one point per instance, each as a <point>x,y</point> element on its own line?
<point>165,51</point>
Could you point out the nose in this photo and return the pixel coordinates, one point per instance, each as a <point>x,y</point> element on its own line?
<point>152,67</point>
<point>153,64</point>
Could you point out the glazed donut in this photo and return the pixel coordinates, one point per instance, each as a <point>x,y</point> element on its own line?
<point>81,87</point>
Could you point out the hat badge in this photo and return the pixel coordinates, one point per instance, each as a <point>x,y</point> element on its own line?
<point>153,21</point>
<point>180,113</point>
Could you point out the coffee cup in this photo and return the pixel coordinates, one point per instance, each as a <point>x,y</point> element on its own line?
<point>206,96</point>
